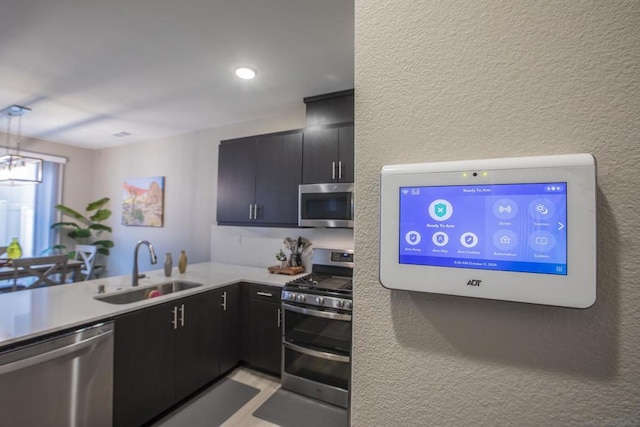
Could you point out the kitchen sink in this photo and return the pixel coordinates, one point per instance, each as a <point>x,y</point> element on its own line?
<point>127,297</point>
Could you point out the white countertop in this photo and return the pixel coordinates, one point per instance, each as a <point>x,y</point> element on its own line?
<point>32,313</point>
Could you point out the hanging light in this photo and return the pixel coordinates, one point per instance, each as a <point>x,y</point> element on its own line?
<point>15,168</point>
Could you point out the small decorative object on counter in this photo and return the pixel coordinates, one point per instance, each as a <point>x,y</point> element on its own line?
<point>14,250</point>
<point>182,262</point>
<point>296,246</point>
<point>168,264</point>
<point>282,257</point>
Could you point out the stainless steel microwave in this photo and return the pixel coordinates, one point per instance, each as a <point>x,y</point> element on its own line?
<point>326,205</point>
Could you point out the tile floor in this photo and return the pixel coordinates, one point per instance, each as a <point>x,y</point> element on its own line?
<point>243,418</point>
<point>267,386</point>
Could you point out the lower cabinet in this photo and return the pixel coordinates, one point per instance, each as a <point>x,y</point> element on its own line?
<point>262,328</point>
<point>162,354</point>
<point>231,333</point>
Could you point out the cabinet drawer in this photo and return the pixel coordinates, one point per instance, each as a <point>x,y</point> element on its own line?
<point>265,293</point>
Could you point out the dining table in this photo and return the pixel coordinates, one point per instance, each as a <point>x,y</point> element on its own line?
<point>74,268</point>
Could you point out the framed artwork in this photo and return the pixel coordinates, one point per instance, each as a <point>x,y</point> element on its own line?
<point>143,202</point>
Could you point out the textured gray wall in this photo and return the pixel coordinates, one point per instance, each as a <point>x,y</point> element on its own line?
<point>482,79</point>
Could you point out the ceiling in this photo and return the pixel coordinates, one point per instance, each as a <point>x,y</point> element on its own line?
<point>153,68</point>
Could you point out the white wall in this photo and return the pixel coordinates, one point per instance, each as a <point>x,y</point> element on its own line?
<point>257,246</point>
<point>481,79</point>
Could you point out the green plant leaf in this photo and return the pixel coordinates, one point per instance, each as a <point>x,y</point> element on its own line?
<point>101,215</point>
<point>100,227</point>
<point>81,233</point>
<point>64,224</point>
<point>103,251</point>
<point>73,214</point>
<point>97,204</point>
<point>104,243</point>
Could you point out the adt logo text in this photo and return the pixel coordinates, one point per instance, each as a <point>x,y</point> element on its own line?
<point>474,282</point>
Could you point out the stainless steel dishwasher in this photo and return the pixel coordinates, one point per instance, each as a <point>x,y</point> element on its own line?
<point>66,380</point>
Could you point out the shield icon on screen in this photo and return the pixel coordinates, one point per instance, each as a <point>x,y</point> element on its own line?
<point>440,210</point>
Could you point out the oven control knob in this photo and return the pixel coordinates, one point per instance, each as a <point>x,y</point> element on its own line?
<point>349,305</point>
<point>301,298</point>
<point>320,300</point>
<point>339,303</point>
<point>291,296</point>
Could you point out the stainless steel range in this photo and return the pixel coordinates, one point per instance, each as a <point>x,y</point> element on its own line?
<point>316,341</point>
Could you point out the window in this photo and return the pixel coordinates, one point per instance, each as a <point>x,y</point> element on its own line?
<point>27,211</point>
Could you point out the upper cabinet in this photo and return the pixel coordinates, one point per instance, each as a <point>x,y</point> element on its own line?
<point>329,109</point>
<point>258,179</point>
<point>328,155</point>
<point>258,176</point>
<point>328,139</point>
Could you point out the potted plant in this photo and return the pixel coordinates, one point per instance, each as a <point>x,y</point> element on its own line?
<point>87,229</point>
<point>282,257</point>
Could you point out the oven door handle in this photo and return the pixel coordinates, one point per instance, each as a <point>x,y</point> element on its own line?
<point>316,313</point>
<point>316,353</point>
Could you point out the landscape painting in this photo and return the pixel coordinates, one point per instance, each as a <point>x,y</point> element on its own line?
<point>143,202</point>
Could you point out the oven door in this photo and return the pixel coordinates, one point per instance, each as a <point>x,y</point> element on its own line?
<point>316,353</point>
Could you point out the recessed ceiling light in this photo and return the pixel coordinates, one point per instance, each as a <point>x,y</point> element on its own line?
<point>245,73</point>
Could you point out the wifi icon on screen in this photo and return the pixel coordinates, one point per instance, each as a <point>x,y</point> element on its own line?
<point>405,191</point>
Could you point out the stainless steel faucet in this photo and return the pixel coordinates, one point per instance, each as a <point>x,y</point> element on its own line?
<point>154,259</point>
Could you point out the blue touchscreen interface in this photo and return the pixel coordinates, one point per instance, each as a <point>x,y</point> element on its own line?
<point>508,227</point>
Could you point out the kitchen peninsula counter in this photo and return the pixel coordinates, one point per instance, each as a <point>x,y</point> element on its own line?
<point>29,314</point>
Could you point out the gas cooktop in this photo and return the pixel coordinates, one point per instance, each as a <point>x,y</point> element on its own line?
<point>322,283</point>
<point>330,283</point>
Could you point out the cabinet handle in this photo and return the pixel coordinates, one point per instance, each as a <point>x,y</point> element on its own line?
<point>175,317</point>
<point>250,210</point>
<point>279,317</point>
<point>182,315</point>
<point>255,211</point>
<point>333,170</point>
<point>340,169</point>
<point>264,294</point>
<point>224,301</point>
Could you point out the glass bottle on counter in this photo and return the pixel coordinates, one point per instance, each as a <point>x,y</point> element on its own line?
<point>182,262</point>
<point>14,250</point>
<point>168,264</point>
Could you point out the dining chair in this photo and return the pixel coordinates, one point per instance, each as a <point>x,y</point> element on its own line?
<point>43,271</point>
<point>86,254</point>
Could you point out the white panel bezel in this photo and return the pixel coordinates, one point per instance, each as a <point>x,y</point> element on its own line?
<point>577,289</point>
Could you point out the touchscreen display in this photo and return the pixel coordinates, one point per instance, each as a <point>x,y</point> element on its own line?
<point>508,227</point>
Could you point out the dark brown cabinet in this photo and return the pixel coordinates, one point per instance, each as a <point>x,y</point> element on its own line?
<point>258,180</point>
<point>162,354</point>
<point>197,343</point>
<point>330,108</point>
<point>262,329</point>
<point>328,154</point>
<point>231,333</point>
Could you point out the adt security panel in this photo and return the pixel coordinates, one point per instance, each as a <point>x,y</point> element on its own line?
<point>516,229</point>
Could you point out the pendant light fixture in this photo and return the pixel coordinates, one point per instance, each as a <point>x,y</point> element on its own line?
<point>16,169</point>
